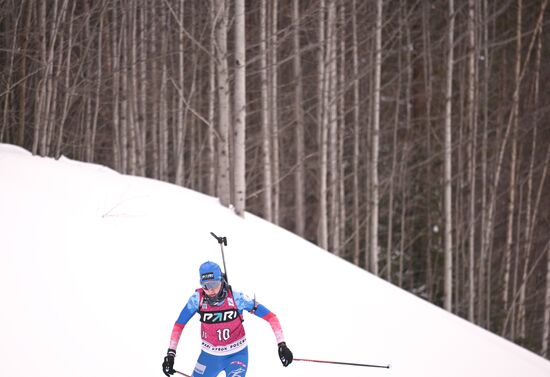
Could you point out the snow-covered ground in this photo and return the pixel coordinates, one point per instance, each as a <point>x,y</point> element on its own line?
<point>95,267</point>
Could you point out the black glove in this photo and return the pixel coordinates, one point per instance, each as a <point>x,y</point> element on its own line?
<point>168,364</point>
<point>284,354</point>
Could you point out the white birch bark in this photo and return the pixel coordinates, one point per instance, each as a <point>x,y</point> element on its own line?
<point>273,97</point>
<point>332,141</point>
<point>179,144</point>
<point>513,162</point>
<point>163,101</point>
<point>124,91</point>
<point>131,91</point>
<point>57,33</point>
<point>483,298</point>
<point>395,149</point>
<point>407,146</point>
<point>143,87</point>
<point>99,77</point>
<point>428,85</point>
<point>224,190</point>
<point>23,68</point>
<point>299,176</point>
<point>375,141</point>
<point>41,87</point>
<point>115,36</point>
<point>240,108</point>
<point>266,118</point>
<point>163,112</point>
<point>87,121</point>
<point>322,126</point>
<point>49,105</point>
<point>67,82</point>
<point>211,154</point>
<point>357,137</point>
<point>472,148</point>
<point>448,272</point>
<point>155,106</point>
<point>342,127</point>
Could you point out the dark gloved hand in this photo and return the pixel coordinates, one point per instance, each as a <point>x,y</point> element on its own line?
<point>168,364</point>
<point>284,354</point>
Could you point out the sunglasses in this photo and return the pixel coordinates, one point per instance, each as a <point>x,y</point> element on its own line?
<point>211,284</point>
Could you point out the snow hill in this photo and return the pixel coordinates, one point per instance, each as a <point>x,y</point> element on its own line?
<point>95,267</point>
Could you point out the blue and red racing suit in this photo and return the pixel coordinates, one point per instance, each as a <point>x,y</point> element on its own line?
<point>223,336</point>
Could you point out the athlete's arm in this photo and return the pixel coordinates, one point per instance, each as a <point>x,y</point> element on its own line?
<point>187,312</point>
<point>251,305</point>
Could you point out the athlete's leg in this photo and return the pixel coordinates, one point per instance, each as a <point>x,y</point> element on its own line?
<point>208,365</point>
<point>237,364</point>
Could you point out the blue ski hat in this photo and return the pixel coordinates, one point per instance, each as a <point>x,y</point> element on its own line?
<point>210,271</point>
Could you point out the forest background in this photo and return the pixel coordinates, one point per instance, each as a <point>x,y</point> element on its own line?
<point>408,137</point>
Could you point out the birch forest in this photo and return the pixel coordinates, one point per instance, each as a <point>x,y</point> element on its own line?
<point>409,137</point>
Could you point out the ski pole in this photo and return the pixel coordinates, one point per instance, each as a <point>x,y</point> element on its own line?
<point>344,363</point>
<point>222,241</point>
<point>183,374</point>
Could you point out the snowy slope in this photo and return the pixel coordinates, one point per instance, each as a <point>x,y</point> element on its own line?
<point>95,267</point>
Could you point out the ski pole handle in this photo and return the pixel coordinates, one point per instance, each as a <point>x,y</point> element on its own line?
<point>344,363</point>
<point>222,241</point>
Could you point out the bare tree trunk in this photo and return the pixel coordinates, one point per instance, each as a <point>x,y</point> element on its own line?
<point>368,157</point>
<point>41,87</point>
<point>403,228</point>
<point>224,191</point>
<point>448,274</point>
<point>546,323</point>
<point>99,76</point>
<point>115,37</point>
<point>240,108</point>
<point>342,127</point>
<point>55,74</point>
<point>164,99</point>
<point>395,147</point>
<point>49,100</point>
<point>483,299</point>
<point>428,85</point>
<point>322,127</point>
<point>131,92</point>
<point>179,154</point>
<point>70,89</point>
<point>375,141</point>
<point>273,93</point>
<point>332,141</point>
<point>156,89</point>
<point>472,148</point>
<point>143,120</point>
<point>357,137</point>
<point>88,145</point>
<point>193,172</point>
<point>23,93</point>
<point>403,171</point>
<point>299,180</point>
<point>211,155</point>
<point>125,147</point>
<point>266,118</point>
<point>513,162</point>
